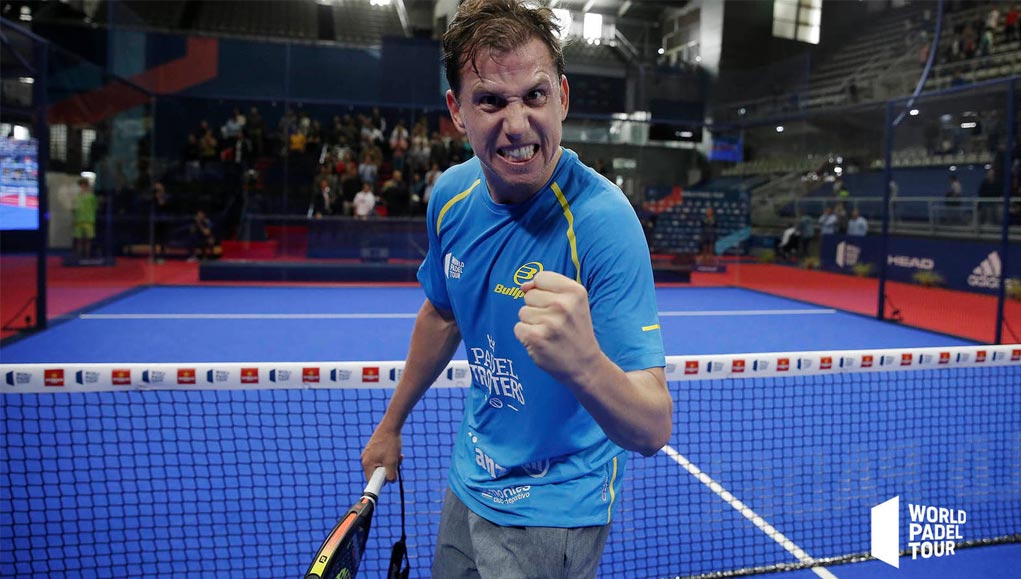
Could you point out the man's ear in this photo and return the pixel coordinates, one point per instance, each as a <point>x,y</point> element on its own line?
<point>455,111</point>
<point>565,100</point>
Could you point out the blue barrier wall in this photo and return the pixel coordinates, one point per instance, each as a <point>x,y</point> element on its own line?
<point>967,266</point>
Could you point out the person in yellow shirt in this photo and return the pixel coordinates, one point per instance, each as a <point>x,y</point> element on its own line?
<point>83,210</point>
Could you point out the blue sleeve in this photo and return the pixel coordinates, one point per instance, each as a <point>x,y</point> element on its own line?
<point>617,272</point>
<point>431,274</point>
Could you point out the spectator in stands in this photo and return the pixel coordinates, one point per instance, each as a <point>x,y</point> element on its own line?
<point>83,211</point>
<point>208,146</point>
<point>379,122</point>
<point>439,152</point>
<point>419,151</point>
<point>953,201</point>
<point>365,202</point>
<point>858,226</point>
<point>708,235</point>
<point>203,242</point>
<point>969,41</point>
<point>841,214</point>
<point>396,195</point>
<point>953,194</point>
<point>993,19</point>
<point>349,132</point>
<point>297,141</point>
<point>417,190</point>
<point>314,138</point>
<point>371,134</point>
<point>806,232</point>
<point>430,180</point>
<point>235,122</point>
<point>788,246</point>
<point>239,149</point>
<point>828,221</point>
<point>985,44</point>
<point>323,201</point>
<point>1011,24</point>
<point>400,141</point>
<point>368,169</point>
<point>458,151</point>
<point>285,128</point>
<point>325,172</point>
<point>989,192</point>
<point>350,184</point>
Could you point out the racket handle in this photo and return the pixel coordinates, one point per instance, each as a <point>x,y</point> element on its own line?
<point>376,481</point>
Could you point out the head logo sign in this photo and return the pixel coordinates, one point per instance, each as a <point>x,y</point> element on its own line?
<point>527,272</point>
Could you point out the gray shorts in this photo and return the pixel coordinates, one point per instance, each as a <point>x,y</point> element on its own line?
<point>469,546</point>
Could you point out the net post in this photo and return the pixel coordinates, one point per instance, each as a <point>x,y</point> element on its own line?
<point>1008,156</point>
<point>887,177</point>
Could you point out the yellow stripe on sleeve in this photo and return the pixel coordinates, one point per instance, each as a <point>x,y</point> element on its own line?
<point>570,229</point>
<point>650,328</point>
<point>613,494</point>
<point>453,200</point>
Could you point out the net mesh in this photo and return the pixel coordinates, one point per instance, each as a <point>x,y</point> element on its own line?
<point>763,472</point>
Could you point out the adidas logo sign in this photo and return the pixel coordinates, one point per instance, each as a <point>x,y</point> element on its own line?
<point>987,274</point>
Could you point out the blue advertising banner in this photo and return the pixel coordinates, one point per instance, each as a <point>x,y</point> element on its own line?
<point>962,265</point>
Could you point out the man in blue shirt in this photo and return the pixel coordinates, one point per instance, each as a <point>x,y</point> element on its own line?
<point>540,265</point>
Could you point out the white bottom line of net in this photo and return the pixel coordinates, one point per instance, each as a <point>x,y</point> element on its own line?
<point>382,316</point>
<point>747,512</point>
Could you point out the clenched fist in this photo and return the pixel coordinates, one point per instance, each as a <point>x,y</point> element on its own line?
<point>556,326</point>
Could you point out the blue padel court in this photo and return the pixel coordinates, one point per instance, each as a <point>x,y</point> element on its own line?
<point>763,473</point>
<point>249,324</point>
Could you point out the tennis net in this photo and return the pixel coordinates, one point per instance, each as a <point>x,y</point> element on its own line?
<point>197,470</point>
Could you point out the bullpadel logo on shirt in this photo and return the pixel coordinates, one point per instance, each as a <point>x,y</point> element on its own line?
<point>524,274</point>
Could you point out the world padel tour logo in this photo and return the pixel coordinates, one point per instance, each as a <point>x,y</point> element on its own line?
<point>932,531</point>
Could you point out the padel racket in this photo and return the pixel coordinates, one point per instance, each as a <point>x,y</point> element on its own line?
<point>342,550</point>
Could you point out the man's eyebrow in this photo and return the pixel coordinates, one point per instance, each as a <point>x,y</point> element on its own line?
<point>481,89</point>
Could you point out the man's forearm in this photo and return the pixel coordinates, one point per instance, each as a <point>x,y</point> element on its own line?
<point>634,409</point>
<point>434,340</point>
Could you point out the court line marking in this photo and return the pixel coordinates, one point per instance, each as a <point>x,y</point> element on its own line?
<point>317,316</point>
<point>748,513</point>
<point>695,314</point>
<point>384,316</point>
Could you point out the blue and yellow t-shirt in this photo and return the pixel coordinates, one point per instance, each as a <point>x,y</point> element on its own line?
<point>528,453</point>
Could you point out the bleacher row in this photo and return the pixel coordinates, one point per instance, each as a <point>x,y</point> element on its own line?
<point>679,229</point>
<point>773,165</point>
<point>918,157</point>
<point>917,187</point>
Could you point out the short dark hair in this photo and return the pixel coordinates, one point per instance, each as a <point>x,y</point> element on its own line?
<point>498,26</point>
